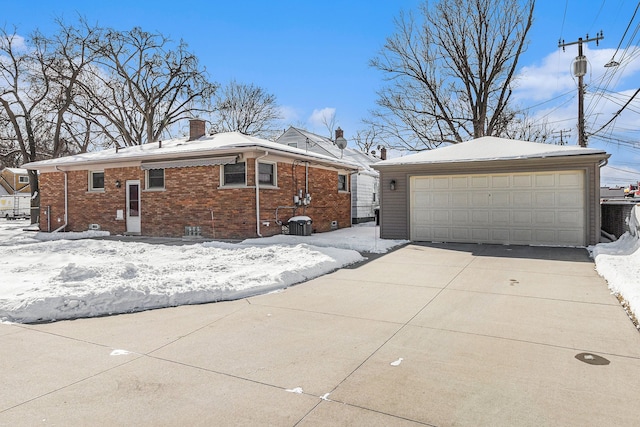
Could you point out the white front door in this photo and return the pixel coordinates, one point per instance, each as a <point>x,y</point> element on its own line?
<point>133,207</point>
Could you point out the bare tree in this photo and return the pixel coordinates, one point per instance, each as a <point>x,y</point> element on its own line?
<point>368,138</point>
<point>142,85</point>
<point>522,126</point>
<point>450,75</point>
<point>247,109</point>
<point>39,78</point>
<point>329,122</point>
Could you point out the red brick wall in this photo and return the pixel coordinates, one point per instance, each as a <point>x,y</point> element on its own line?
<point>191,196</point>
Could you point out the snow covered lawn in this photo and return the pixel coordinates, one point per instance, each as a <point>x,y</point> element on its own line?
<point>45,279</point>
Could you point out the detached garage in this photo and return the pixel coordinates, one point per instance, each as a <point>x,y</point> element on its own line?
<point>493,190</point>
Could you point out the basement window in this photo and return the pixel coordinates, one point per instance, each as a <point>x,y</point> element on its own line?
<point>155,179</point>
<point>96,181</point>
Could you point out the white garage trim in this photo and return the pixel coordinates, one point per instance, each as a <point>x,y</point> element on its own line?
<point>530,208</point>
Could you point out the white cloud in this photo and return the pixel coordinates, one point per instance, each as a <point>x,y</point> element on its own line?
<point>289,114</point>
<point>550,91</point>
<point>318,117</point>
<point>553,76</point>
<point>17,41</point>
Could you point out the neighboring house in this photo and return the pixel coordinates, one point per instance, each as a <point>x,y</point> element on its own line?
<point>494,190</point>
<point>15,193</point>
<point>225,186</point>
<point>607,193</point>
<point>14,181</point>
<point>364,183</point>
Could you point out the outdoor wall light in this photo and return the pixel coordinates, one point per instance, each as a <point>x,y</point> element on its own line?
<point>118,184</point>
<point>392,185</point>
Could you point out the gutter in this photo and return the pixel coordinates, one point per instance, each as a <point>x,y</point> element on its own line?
<point>257,183</point>
<point>66,202</point>
<point>211,153</point>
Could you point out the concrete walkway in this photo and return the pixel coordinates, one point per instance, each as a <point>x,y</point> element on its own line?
<point>465,335</point>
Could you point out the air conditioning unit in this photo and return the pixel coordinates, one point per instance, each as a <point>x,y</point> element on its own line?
<point>94,226</point>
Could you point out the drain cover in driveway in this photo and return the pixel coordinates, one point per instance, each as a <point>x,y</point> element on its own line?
<point>592,359</point>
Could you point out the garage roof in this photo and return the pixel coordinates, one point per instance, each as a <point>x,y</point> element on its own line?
<point>489,148</point>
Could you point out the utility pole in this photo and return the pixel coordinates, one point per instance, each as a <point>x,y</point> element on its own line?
<point>579,70</point>
<point>563,133</point>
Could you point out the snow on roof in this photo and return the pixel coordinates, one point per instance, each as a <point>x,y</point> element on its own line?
<point>489,148</point>
<point>17,171</point>
<point>350,154</point>
<point>209,145</point>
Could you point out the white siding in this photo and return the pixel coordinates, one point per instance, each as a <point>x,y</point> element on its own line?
<point>363,204</point>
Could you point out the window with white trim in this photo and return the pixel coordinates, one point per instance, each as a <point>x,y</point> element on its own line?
<point>267,174</point>
<point>342,182</point>
<point>23,179</point>
<point>96,181</point>
<point>234,174</point>
<point>155,179</point>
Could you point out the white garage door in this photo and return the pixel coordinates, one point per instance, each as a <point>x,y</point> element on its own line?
<point>533,208</point>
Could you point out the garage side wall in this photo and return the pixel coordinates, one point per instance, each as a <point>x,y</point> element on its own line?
<point>394,204</point>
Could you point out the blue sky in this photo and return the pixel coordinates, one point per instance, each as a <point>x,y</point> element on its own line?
<point>314,55</point>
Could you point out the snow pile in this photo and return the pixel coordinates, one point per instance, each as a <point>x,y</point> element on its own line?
<point>362,238</point>
<point>64,279</point>
<point>619,263</point>
<point>71,235</point>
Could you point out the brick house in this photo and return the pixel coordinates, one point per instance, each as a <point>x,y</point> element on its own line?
<point>364,184</point>
<point>203,185</point>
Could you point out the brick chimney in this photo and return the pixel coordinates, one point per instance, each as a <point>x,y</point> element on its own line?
<point>383,153</point>
<point>196,129</point>
<point>339,133</point>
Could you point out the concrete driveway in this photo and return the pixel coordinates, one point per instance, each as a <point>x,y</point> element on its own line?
<point>426,335</point>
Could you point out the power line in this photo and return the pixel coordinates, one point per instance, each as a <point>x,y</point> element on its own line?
<point>548,100</point>
<point>633,172</point>
<point>617,113</point>
<point>613,63</point>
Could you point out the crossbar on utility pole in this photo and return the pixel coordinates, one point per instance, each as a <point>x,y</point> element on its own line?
<point>579,70</point>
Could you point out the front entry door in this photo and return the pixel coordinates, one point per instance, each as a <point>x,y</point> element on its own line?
<point>133,207</point>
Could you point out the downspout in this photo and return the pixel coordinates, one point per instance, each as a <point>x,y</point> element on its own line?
<point>306,178</point>
<point>351,197</point>
<point>66,201</point>
<point>306,186</point>
<point>257,182</point>
<point>598,213</point>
